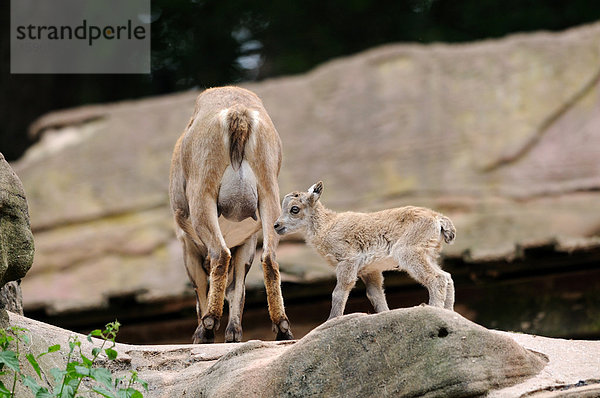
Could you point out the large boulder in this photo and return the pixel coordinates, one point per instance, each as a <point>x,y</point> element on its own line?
<point>414,352</point>
<point>16,239</point>
<point>420,351</point>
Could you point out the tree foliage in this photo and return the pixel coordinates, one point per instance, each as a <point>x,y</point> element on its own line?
<point>204,43</point>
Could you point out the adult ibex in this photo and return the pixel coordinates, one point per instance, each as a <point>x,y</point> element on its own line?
<point>224,168</point>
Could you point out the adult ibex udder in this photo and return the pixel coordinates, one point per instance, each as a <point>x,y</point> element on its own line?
<point>238,198</point>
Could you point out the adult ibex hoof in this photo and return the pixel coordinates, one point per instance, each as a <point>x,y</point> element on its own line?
<point>283,331</point>
<point>210,323</point>
<point>233,334</point>
<point>203,336</point>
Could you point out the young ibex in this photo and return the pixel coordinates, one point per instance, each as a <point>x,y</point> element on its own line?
<point>365,244</point>
<point>224,168</point>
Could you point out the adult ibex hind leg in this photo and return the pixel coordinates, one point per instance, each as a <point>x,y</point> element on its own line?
<point>205,222</point>
<point>242,257</point>
<point>197,266</point>
<point>202,226</point>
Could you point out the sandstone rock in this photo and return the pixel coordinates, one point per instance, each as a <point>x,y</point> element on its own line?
<point>16,240</point>
<point>353,350</point>
<point>421,351</point>
<point>11,297</point>
<point>400,353</point>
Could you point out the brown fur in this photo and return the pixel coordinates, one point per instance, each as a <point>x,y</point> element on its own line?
<point>239,128</point>
<point>227,160</point>
<point>366,244</point>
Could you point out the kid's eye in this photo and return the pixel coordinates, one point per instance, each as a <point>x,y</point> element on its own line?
<point>295,210</point>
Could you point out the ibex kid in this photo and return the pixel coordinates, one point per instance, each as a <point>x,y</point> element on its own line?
<point>365,244</point>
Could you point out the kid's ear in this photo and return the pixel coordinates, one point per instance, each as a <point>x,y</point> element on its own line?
<point>315,192</point>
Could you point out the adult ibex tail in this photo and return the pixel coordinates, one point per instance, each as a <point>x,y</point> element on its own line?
<point>239,124</point>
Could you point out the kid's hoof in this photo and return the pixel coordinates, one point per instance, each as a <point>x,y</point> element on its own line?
<point>283,331</point>
<point>203,336</point>
<point>233,334</point>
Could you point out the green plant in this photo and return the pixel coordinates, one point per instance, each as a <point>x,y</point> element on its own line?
<point>79,369</point>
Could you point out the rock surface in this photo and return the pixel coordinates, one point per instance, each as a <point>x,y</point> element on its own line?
<point>502,135</point>
<point>16,239</point>
<point>421,351</point>
<point>11,297</point>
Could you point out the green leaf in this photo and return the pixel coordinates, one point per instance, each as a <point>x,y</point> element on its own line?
<point>58,375</point>
<point>51,349</point>
<point>69,389</point>
<point>9,358</point>
<point>83,371</point>
<point>111,354</point>
<point>44,393</point>
<point>135,379</point>
<point>3,390</point>
<point>104,392</point>
<point>70,370</point>
<point>129,393</point>
<point>143,383</point>
<point>86,361</point>
<point>34,364</point>
<point>102,375</point>
<point>96,333</point>
<point>95,351</point>
<point>30,383</point>
<point>136,394</point>
<point>25,338</point>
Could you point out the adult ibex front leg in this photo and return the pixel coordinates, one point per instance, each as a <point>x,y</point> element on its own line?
<point>269,211</point>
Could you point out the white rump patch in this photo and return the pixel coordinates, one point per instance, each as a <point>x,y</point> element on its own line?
<point>223,117</point>
<point>255,116</point>
<point>223,120</point>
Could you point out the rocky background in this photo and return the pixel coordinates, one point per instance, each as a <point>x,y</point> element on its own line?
<point>502,135</point>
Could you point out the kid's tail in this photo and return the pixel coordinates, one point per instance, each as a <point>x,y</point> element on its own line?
<point>447,230</point>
